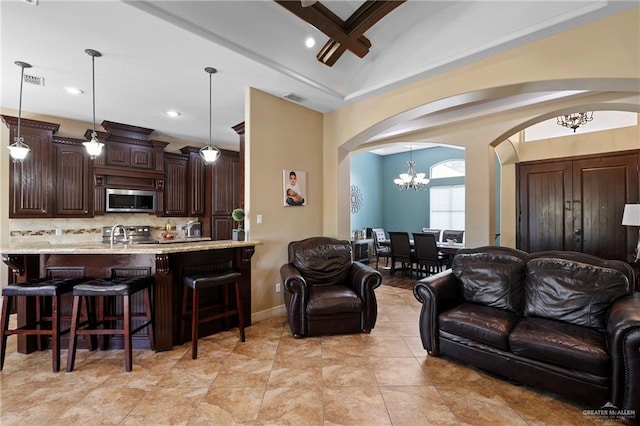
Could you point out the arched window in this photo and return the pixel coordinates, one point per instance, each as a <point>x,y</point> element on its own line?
<point>448,168</point>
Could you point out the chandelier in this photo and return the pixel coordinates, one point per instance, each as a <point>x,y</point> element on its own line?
<point>210,152</point>
<point>94,146</point>
<point>575,120</point>
<point>18,150</point>
<point>411,179</point>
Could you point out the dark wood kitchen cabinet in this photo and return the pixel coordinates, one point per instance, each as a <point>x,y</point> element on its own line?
<point>31,185</point>
<point>73,179</point>
<point>195,182</point>
<point>577,203</point>
<point>226,193</point>
<point>175,185</point>
<point>129,155</point>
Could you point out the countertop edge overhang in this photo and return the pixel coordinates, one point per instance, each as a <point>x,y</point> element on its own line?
<point>100,248</point>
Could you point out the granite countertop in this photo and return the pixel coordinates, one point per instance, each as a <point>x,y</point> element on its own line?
<point>100,248</point>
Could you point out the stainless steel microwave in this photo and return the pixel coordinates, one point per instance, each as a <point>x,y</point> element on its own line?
<point>130,201</point>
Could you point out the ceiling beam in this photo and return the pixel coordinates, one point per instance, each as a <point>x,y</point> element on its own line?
<point>344,35</point>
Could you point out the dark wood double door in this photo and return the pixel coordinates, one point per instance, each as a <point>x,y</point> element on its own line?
<point>577,204</point>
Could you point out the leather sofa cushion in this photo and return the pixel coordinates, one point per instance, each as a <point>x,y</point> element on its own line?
<point>491,279</point>
<point>572,292</point>
<point>334,299</point>
<point>481,323</point>
<point>566,345</point>
<point>321,260</point>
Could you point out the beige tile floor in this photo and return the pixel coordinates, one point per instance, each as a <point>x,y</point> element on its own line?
<point>384,378</point>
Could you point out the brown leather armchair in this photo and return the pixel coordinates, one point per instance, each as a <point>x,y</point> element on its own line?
<point>326,292</point>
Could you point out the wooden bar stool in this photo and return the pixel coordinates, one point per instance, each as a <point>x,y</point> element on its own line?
<point>196,283</point>
<point>43,325</point>
<point>119,287</point>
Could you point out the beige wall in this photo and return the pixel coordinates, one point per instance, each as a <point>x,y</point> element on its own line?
<point>279,135</point>
<point>600,53</point>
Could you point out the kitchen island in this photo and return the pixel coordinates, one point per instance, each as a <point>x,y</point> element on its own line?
<point>168,263</point>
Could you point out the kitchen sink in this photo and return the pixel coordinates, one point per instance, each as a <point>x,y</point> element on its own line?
<point>132,242</point>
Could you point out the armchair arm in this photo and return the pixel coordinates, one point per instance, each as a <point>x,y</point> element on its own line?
<point>436,293</point>
<point>623,339</point>
<point>363,279</point>
<point>295,296</point>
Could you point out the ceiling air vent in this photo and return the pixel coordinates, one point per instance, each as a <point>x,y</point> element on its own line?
<point>295,98</point>
<point>33,79</point>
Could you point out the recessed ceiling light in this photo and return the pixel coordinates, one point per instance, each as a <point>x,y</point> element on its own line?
<point>73,90</point>
<point>310,42</point>
<point>172,113</point>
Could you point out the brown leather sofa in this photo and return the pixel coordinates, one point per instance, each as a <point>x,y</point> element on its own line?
<point>325,292</point>
<point>566,322</point>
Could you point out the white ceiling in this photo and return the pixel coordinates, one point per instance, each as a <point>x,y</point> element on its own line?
<point>154,54</point>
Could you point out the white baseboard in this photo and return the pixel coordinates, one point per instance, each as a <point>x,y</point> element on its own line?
<point>268,313</point>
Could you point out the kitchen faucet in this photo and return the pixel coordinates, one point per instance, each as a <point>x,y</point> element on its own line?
<point>116,231</point>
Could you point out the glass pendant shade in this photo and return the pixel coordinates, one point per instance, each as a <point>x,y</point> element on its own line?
<point>18,150</point>
<point>94,146</point>
<point>210,152</point>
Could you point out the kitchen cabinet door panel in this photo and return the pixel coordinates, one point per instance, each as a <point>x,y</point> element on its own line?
<point>175,194</point>
<point>32,181</point>
<point>73,195</point>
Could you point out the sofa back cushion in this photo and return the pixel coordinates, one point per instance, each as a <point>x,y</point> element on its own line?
<point>571,291</point>
<point>491,279</point>
<point>321,260</point>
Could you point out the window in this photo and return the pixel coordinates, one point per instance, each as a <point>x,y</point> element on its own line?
<point>445,169</point>
<point>447,207</point>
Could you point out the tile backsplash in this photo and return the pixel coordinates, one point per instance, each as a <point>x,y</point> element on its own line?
<point>89,230</point>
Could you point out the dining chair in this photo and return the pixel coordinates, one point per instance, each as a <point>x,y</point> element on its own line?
<point>428,259</point>
<point>436,232</point>
<point>451,235</point>
<point>401,251</point>
<point>455,235</point>
<point>384,251</point>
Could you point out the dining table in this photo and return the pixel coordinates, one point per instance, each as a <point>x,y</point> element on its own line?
<point>443,246</point>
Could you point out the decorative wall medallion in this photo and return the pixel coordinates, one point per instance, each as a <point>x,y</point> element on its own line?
<point>356,199</point>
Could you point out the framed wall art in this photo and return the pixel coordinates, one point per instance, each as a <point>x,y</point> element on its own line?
<point>294,185</point>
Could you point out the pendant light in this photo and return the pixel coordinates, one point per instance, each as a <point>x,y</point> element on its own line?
<point>210,153</point>
<point>411,179</point>
<point>18,150</point>
<point>94,146</point>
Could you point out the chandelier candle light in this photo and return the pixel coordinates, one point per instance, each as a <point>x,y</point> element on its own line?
<point>575,120</point>
<point>18,150</point>
<point>94,146</point>
<point>411,179</point>
<point>210,153</point>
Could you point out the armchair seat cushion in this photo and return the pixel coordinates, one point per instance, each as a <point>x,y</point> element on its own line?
<point>334,299</point>
<point>560,343</point>
<point>485,324</point>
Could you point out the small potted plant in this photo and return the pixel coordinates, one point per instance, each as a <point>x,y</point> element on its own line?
<point>238,216</point>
